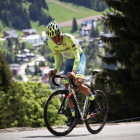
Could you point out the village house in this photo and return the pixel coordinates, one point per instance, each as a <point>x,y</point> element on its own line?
<point>14,68</point>
<point>44,37</point>
<point>86,26</point>
<point>11,34</point>
<point>45,74</point>
<point>33,39</point>
<point>25,51</point>
<point>28,32</point>
<point>26,57</point>
<point>36,40</point>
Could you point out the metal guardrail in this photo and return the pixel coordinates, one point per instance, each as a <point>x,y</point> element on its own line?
<point>124,120</point>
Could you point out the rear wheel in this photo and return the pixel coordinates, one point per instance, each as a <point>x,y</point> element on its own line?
<point>56,122</point>
<point>96,123</point>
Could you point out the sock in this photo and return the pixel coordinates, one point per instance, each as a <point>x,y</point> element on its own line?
<point>91,97</point>
<point>72,111</point>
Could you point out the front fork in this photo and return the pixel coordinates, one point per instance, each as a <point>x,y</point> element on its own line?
<point>64,103</point>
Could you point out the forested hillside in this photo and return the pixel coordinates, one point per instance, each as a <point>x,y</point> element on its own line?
<point>14,14</point>
<point>97,5</point>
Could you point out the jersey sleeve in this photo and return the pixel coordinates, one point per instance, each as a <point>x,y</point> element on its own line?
<point>57,57</point>
<point>76,55</point>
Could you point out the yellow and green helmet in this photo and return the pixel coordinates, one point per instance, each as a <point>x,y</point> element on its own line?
<point>52,29</point>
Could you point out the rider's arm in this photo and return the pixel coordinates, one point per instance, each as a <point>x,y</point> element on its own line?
<point>77,57</point>
<point>57,57</point>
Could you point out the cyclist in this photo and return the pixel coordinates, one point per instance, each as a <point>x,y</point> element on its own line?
<point>75,66</point>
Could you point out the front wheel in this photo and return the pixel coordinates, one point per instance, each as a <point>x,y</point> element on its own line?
<point>96,123</point>
<point>55,119</point>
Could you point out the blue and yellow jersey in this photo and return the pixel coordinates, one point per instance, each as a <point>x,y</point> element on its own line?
<point>69,49</point>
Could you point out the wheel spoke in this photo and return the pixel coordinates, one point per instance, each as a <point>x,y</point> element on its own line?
<point>96,123</point>
<point>57,122</point>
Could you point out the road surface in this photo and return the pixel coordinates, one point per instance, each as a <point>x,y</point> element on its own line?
<point>124,131</point>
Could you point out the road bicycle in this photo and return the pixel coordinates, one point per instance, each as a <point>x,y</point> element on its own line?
<point>57,111</point>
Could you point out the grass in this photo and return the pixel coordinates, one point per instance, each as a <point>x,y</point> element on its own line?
<point>60,13</point>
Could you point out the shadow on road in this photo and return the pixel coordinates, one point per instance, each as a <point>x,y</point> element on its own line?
<point>52,136</point>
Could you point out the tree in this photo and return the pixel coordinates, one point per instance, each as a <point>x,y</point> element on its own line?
<point>74,25</point>
<point>36,69</point>
<point>23,105</point>
<point>93,32</point>
<point>5,74</point>
<point>97,5</point>
<point>14,15</point>
<point>124,50</point>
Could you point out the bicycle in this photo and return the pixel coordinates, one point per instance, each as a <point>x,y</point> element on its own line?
<point>57,106</point>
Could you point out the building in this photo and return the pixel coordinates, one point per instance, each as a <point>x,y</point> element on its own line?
<point>26,51</point>
<point>34,39</point>
<point>11,34</point>
<point>45,74</point>
<point>28,32</point>
<point>86,26</point>
<point>44,37</point>
<point>14,68</point>
<point>84,31</point>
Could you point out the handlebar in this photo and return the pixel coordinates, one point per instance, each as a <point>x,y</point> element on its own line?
<point>63,76</point>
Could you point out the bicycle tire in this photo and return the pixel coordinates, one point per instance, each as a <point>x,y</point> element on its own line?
<point>64,129</point>
<point>96,123</point>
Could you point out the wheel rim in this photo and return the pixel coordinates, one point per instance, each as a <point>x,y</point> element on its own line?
<point>57,123</point>
<point>96,122</point>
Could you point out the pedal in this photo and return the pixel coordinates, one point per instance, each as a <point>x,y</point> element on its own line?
<point>91,115</point>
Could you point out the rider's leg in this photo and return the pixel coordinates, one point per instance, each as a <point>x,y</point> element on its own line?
<point>88,93</point>
<point>84,89</point>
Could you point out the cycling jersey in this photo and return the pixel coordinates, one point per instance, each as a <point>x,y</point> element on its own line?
<point>69,48</point>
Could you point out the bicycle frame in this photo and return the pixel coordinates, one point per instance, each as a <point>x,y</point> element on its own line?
<point>66,98</point>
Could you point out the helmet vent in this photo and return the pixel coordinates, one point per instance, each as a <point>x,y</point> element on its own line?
<point>52,33</point>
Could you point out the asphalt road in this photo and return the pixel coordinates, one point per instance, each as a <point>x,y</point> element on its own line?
<point>125,131</point>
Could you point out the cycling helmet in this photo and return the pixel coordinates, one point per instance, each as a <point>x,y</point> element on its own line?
<point>52,29</point>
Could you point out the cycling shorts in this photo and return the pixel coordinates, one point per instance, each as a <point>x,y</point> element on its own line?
<point>80,70</point>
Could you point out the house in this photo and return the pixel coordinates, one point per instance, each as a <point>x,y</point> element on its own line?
<point>44,37</point>
<point>86,26</point>
<point>45,74</point>
<point>84,31</point>
<point>14,68</point>
<point>37,45</point>
<point>28,32</point>
<point>30,55</point>
<point>40,60</point>
<point>20,57</point>
<point>32,70</point>
<point>26,51</point>
<point>33,39</point>
<point>11,34</point>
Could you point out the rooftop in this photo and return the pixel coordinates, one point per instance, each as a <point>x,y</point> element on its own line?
<point>29,30</point>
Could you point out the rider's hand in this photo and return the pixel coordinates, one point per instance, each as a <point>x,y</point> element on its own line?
<point>52,73</point>
<point>71,75</point>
